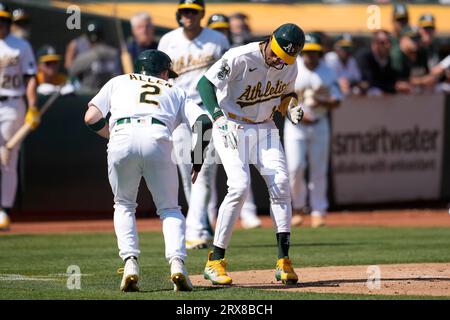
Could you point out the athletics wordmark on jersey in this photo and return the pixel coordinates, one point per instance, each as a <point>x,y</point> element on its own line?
<point>256,94</point>
<point>183,64</point>
<point>9,60</point>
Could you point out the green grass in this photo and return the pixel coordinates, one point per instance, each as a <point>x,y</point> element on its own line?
<point>47,257</point>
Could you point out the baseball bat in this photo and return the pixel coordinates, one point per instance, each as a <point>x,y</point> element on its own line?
<point>125,57</point>
<point>26,128</point>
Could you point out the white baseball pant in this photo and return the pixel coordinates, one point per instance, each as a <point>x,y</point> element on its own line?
<point>12,114</point>
<point>308,145</point>
<point>182,143</point>
<point>136,151</point>
<point>202,195</point>
<point>260,145</point>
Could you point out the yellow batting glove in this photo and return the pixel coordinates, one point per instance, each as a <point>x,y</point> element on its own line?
<point>33,117</point>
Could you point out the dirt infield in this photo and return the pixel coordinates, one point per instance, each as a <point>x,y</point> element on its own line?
<point>424,279</point>
<point>399,218</point>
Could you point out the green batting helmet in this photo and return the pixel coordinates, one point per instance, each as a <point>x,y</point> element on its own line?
<point>287,42</point>
<point>152,62</point>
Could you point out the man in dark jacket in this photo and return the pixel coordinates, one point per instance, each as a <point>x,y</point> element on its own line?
<point>375,65</point>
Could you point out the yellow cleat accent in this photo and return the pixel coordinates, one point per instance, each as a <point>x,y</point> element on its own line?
<point>215,271</point>
<point>285,272</point>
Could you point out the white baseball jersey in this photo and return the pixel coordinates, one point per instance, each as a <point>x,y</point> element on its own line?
<point>153,97</point>
<point>349,71</point>
<point>322,76</point>
<point>247,86</point>
<point>191,59</point>
<point>16,60</point>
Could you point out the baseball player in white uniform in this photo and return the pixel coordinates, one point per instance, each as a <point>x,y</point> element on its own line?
<point>193,50</point>
<point>242,91</point>
<point>309,141</point>
<point>17,78</point>
<point>249,218</point>
<point>145,109</point>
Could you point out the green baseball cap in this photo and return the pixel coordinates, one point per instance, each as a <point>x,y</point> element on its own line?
<point>47,53</point>
<point>427,21</point>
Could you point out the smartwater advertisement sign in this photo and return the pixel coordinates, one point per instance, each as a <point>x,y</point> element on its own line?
<point>387,149</point>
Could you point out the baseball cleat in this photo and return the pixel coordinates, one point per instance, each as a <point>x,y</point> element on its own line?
<point>130,276</point>
<point>215,271</point>
<point>198,244</point>
<point>251,222</point>
<point>179,276</point>
<point>317,221</point>
<point>285,272</point>
<point>5,223</point>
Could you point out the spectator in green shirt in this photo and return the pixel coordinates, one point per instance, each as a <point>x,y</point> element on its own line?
<point>410,61</point>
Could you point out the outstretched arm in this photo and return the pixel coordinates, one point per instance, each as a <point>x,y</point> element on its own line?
<point>227,129</point>
<point>208,94</point>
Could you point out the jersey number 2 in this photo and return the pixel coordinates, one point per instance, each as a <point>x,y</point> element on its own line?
<point>152,90</point>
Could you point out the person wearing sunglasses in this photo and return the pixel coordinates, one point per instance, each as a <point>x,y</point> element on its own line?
<point>242,91</point>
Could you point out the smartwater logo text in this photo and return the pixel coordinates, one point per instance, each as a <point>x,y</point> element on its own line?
<point>382,140</point>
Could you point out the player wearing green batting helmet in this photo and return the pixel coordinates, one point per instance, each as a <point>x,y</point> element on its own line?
<point>152,62</point>
<point>287,41</point>
<point>283,46</point>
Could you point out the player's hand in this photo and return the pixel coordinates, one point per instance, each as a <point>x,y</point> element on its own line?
<point>294,111</point>
<point>33,117</point>
<point>229,131</point>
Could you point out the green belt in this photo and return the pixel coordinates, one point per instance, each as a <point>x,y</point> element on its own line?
<point>128,120</point>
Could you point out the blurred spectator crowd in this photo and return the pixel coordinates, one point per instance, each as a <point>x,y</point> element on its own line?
<point>408,60</point>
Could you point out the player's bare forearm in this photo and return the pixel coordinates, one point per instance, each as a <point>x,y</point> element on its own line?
<point>95,121</point>
<point>104,132</point>
<point>31,91</point>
